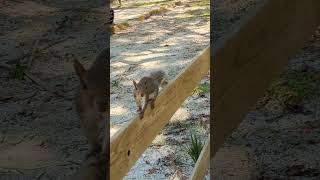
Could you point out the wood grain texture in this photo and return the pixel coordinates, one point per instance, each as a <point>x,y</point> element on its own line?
<point>128,144</point>
<point>202,164</point>
<point>245,64</point>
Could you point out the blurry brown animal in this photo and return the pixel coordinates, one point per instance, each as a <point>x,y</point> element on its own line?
<point>91,100</point>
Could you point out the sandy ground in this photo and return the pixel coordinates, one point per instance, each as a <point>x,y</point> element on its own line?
<point>169,42</point>
<point>270,144</point>
<point>40,137</point>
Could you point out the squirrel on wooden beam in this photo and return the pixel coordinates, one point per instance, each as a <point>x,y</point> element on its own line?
<point>148,87</point>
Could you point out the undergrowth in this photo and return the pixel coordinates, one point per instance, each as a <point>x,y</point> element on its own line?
<point>202,89</point>
<point>194,147</point>
<point>294,88</point>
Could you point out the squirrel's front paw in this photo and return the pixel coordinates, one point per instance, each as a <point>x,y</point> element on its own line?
<point>152,104</point>
<point>141,115</point>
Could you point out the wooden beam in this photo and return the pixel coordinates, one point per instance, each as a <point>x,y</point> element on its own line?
<point>202,164</point>
<point>246,63</point>
<point>133,139</point>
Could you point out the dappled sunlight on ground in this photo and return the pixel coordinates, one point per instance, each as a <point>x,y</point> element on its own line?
<point>168,42</point>
<point>117,111</point>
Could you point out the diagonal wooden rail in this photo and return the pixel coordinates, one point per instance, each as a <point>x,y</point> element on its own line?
<point>128,144</point>
<point>256,53</point>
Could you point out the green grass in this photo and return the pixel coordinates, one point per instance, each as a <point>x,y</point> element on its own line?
<point>138,4</point>
<point>202,89</point>
<point>194,147</point>
<point>293,88</point>
<point>18,72</point>
<point>115,83</point>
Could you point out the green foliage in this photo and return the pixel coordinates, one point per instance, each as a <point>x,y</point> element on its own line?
<point>293,88</point>
<point>115,83</point>
<point>202,89</point>
<point>194,148</point>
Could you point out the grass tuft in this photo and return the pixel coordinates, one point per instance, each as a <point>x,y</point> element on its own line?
<point>292,88</point>
<point>115,83</point>
<point>202,89</point>
<point>194,148</point>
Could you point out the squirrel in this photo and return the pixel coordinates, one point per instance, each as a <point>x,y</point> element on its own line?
<point>148,87</point>
<point>91,99</point>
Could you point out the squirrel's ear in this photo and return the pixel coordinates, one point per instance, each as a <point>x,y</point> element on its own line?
<point>80,71</point>
<point>135,84</point>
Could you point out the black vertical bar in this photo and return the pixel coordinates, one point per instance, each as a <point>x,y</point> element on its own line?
<point>108,29</point>
<point>212,28</point>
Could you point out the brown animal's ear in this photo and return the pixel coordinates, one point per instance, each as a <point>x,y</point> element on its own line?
<point>135,84</point>
<point>80,71</point>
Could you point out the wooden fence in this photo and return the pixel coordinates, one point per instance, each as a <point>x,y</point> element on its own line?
<point>243,65</point>
<point>252,56</point>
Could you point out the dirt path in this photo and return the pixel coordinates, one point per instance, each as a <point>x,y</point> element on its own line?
<point>168,41</point>
<point>270,143</point>
<point>40,137</point>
